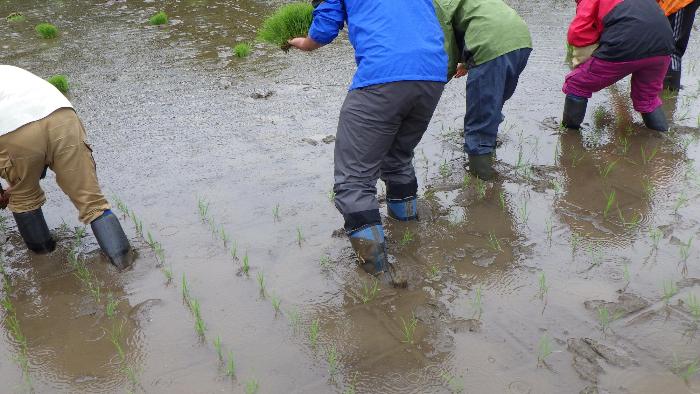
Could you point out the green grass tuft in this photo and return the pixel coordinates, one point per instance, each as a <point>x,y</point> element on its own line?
<point>60,82</point>
<point>16,17</point>
<point>159,18</point>
<point>289,21</point>
<point>46,30</point>
<point>243,50</point>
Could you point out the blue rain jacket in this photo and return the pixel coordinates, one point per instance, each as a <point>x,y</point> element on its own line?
<point>394,40</point>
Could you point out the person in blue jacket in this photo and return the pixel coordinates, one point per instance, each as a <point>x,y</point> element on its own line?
<point>401,73</point>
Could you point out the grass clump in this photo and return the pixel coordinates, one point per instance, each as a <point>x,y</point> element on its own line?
<point>159,18</point>
<point>289,21</point>
<point>243,50</point>
<point>16,17</point>
<point>60,82</point>
<point>46,30</point>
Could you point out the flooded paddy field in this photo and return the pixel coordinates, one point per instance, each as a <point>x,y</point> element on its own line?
<point>576,271</point>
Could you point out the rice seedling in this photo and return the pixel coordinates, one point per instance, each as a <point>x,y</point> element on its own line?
<point>261,282</point>
<point>199,326</point>
<point>494,243</point>
<point>111,307</point>
<point>502,200</point>
<point>523,212</point>
<point>276,212</point>
<point>325,262</point>
<point>655,235</point>
<point>626,272</point>
<point>241,50</point>
<point>218,347</point>
<point>332,358</point>
<point>624,146</point>
<point>648,156</point>
<point>407,238</point>
<point>685,249</point>
<point>648,188</point>
<point>605,318</point>
<point>599,116</point>
<point>314,330</point>
<point>46,30</point>
<point>15,17</point>
<point>369,292</point>
<point>230,365</point>
<point>168,272</point>
<point>680,203</point>
<point>246,266</point>
<point>445,169</point>
<point>609,203</point>
<point>633,222</point>
<point>454,384</point>
<point>545,350</point>
<point>576,158</point>
<point>543,287</point>
<point>548,228</point>
<point>466,181</point>
<point>408,329</point>
<point>693,306</point>
<point>605,171</point>
<point>476,303</point>
<point>690,371</point>
<point>252,386</point>
<point>159,18</point>
<point>433,271</point>
<point>670,289</point>
<point>60,82</point>
<point>289,21</point>
<point>276,302</point>
<point>185,289</point>
<point>203,207</point>
<point>225,238</point>
<point>331,195</point>
<point>480,189</point>
<point>300,236</point>
<point>294,318</point>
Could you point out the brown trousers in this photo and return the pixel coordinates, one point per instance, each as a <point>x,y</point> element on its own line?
<point>57,141</point>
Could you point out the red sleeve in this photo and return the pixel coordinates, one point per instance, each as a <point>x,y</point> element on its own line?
<point>586,28</point>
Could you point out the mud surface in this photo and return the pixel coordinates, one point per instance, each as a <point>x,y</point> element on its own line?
<point>176,121</point>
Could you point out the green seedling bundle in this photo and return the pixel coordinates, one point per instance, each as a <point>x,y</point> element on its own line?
<point>46,30</point>
<point>60,82</point>
<point>289,21</point>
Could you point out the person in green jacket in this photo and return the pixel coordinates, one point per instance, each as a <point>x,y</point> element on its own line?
<point>489,42</point>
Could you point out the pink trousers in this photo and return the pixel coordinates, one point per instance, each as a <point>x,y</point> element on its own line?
<point>597,74</point>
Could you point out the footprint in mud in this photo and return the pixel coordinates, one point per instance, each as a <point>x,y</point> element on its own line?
<point>589,357</point>
<point>444,326</point>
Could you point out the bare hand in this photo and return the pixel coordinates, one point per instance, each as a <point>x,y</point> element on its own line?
<point>461,71</point>
<point>5,198</point>
<point>305,44</point>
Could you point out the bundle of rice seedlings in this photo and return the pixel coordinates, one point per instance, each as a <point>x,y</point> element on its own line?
<point>46,30</point>
<point>241,50</point>
<point>60,82</point>
<point>15,17</point>
<point>289,21</point>
<point>159,18</point>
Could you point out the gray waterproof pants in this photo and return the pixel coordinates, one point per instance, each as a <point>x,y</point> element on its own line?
<point>378,130</point>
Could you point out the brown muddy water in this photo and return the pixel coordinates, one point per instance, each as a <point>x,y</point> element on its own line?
<point>525,285</point>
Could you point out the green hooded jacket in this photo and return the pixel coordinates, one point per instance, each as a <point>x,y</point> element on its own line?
<point>477,31</point>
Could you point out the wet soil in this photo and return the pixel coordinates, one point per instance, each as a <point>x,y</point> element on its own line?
<point>523,285</point>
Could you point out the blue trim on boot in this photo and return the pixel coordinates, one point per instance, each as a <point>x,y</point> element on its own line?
<point>404,210</point>
<point>373,234</point>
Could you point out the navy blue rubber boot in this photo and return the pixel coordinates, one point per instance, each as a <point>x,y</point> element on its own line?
<point>574,111</point>
<point>112,240</point>
<point>403,209</point>
<point>369,244</point>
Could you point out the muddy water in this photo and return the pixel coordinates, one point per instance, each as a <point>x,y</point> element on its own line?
<point>175,119</point>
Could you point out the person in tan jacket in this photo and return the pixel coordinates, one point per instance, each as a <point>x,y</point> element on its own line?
<point>39,129</point>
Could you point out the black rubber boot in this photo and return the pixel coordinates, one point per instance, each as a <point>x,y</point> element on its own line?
<point>32,226</point>
<point>574,111</point>
<point>672,80</point>
<point>112,240</point>
<point>481,166</point>
<point>656,120</point>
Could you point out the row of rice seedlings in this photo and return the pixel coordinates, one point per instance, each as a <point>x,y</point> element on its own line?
<point>605,317</point>
<point>116,337</point>
<point>15,329</point>
<point>87,278</point>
